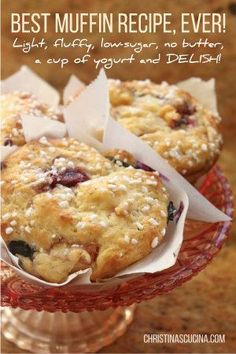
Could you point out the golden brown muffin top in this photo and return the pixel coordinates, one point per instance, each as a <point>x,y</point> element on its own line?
<point>67,207</point>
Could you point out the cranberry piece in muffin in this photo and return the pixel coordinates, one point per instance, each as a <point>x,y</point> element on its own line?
<point>69,177</point>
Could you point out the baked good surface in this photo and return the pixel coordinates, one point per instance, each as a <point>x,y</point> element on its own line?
<point>13,105</point>
<point>171,121</point>
<point>66,207</point>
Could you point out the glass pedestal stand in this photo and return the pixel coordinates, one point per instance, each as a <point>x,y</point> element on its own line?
<point>45,332</point>
<point>75,319</point>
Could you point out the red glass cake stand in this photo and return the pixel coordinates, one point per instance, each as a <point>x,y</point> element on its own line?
<point>80,319</point>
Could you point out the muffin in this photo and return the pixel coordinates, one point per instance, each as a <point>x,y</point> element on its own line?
<point>66,207</point>
<point>171,121</point>
<point>13,105</point>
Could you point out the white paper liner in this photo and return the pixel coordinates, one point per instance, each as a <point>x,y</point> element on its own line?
<point>203,91</point>
<point>41,126</point>
<point>73,86</point>
<point>27,81</point>
<point>6,151</point>
<point>86,120</point>
<point>115,136</point>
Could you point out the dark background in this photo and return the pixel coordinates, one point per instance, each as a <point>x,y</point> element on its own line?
<point>206,304</point>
